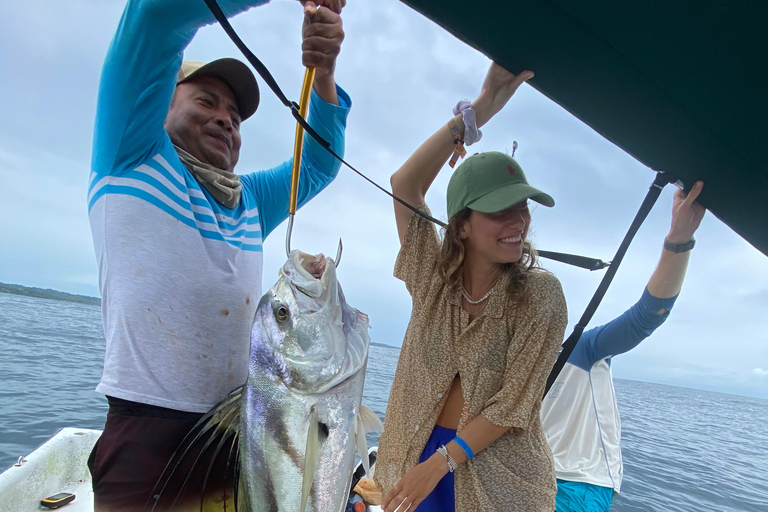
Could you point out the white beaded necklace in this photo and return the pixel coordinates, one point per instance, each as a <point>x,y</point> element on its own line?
<point>481,299</point>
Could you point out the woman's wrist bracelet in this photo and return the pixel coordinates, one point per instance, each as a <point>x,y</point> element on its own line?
<point>679,248</point>
<point>451,462</point>
<point>458,142</point>
<point>471,132</point>
<point>464,446</point>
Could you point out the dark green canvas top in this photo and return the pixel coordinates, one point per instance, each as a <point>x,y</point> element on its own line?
<point>680,85</point>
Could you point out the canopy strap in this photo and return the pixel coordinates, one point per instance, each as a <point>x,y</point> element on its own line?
<point>576,261</point>
<point>650,199</point>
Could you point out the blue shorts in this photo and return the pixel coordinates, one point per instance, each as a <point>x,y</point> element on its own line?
<point>442,498</point>
<point>581,497</point>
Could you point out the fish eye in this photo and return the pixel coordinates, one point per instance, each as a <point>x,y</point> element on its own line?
<point>281,314</point>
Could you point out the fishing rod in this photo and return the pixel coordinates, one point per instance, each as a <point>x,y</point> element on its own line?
<point>261,69</point>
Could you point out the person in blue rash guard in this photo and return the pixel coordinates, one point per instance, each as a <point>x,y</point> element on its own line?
<point>178,235</point>
<point>580,414</point>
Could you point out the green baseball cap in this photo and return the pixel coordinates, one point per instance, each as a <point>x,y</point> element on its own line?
<point>490,182</point>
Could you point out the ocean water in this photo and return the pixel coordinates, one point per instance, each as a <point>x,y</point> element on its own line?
<point>684,449</point>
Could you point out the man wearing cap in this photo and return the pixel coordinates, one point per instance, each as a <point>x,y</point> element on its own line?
<point>178,235</point>
<point>580,413</point>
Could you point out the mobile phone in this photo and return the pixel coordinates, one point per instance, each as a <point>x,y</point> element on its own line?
<point>57,500</point>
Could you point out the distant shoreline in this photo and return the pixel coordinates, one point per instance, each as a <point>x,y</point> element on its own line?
<point>45,293</point>
<point>384,345</point>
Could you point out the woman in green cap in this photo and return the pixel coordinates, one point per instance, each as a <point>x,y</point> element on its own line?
<point>462,429</point>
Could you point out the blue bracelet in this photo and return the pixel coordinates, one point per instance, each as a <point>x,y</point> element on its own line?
<point>465,447</point>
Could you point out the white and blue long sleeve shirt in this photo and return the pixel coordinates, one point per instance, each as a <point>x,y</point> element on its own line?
<point>180,274</point>
<point>580,414</point>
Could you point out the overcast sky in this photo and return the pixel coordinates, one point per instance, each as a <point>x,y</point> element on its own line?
<point>404,74</point>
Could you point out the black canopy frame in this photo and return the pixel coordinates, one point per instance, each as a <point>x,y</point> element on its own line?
<point>681,86</point>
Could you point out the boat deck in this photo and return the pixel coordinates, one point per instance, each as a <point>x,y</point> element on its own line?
<point>59,465</point>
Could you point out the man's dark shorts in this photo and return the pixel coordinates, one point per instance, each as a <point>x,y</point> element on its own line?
<point>132,453</point>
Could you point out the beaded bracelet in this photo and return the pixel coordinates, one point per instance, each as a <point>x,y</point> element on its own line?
<point>458,141</point>
<point>451,463</point>
<point>464,446</point>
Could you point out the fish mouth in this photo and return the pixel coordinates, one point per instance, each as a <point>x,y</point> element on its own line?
<point>310,275</point>
<point>315,265</point>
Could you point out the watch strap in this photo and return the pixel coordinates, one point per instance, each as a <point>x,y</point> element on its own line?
<point>679,248</point>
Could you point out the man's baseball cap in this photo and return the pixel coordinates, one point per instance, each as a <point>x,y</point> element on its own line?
<point>490,182</point>
<point>232,72</point>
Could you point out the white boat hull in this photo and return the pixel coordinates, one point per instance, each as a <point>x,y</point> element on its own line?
<point>59,465</point>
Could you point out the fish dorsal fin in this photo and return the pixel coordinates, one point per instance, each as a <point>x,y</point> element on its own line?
<point>219,424</point>
<point>366,421</point>
<point>316,436</point>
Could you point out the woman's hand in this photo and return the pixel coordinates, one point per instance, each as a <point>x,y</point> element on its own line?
<point>686,214</point>
<point>415,485</point>
<point>498,87</point>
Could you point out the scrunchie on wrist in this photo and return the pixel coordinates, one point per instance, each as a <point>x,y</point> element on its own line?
<point>471,133</point>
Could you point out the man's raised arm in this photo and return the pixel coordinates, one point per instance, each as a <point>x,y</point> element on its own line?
<point>637,323</point>
<point>139,77</point>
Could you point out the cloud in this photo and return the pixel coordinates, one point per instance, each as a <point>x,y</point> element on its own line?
<point>712,374</point>
<point>402,74</point>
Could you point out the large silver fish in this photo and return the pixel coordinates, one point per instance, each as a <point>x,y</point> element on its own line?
<point>299,418</point>
<point>303,415</point>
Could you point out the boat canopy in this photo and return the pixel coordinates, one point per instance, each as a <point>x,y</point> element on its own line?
<point>680,86</point>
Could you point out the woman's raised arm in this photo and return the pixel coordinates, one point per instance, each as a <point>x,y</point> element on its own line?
<point>411,181</point>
